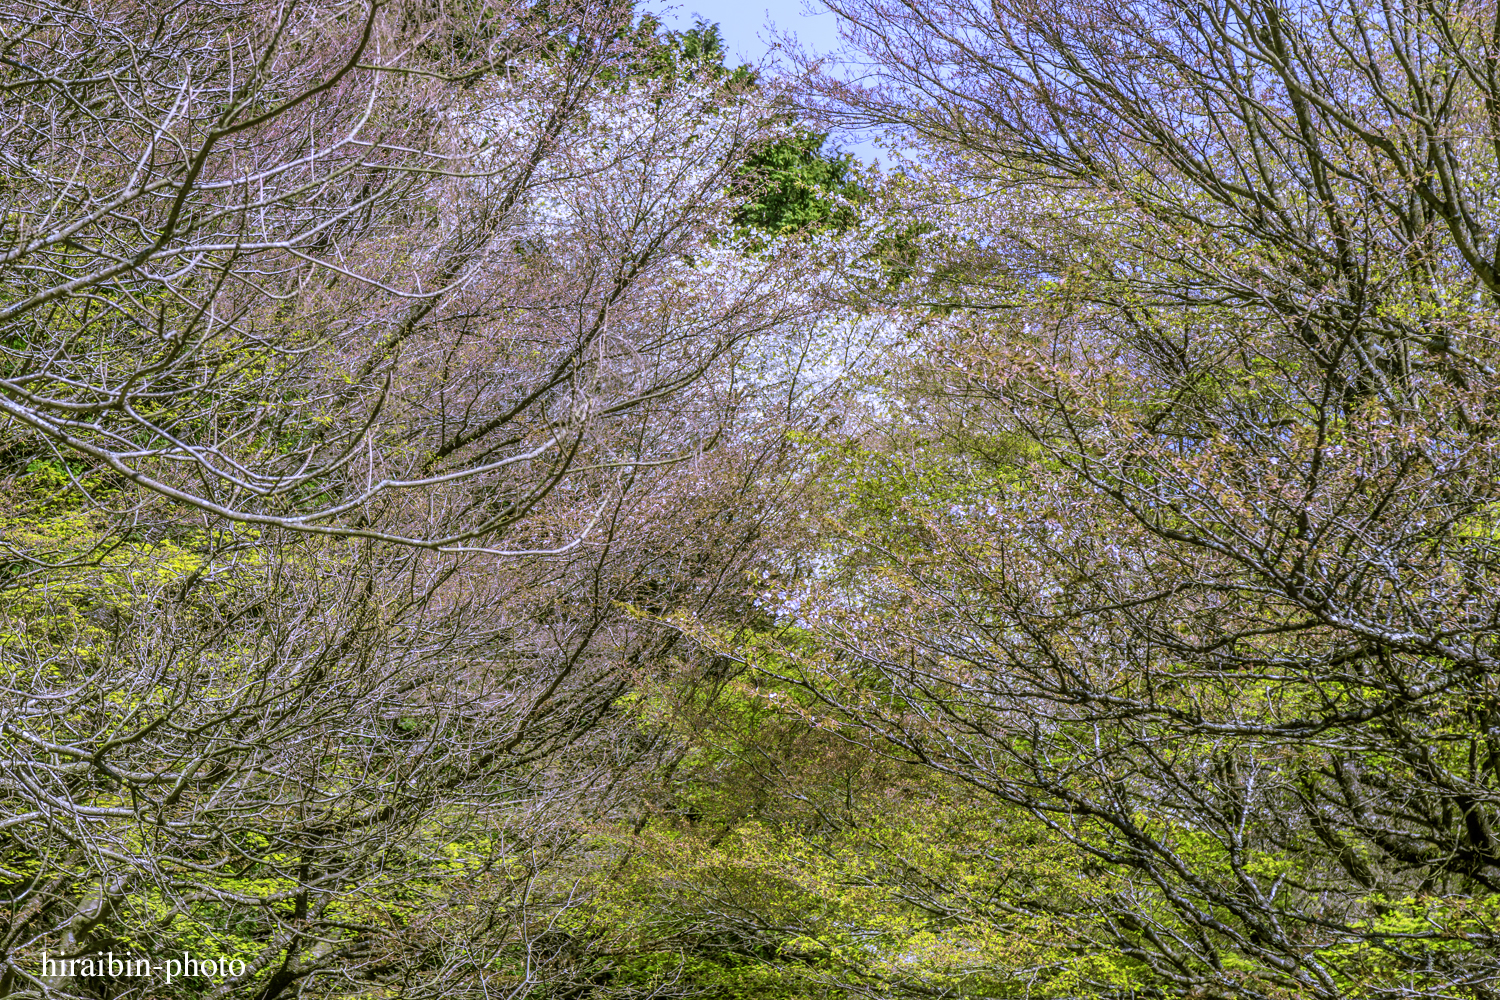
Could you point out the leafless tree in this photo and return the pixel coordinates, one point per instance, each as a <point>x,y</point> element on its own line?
<point>1219,606</point>
<point>237,202</point>
<point>352,354</point>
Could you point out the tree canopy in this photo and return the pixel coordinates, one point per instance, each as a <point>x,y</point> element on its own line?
<point>497,505</point>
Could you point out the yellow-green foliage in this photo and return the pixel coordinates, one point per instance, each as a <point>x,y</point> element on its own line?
<point>72,567</point>
<point>913,894</point>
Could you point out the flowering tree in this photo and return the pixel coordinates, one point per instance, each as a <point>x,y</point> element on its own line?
<point>1182,549</point>
<point>360,362</point>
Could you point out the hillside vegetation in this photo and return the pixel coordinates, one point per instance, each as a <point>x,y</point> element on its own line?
<point>496,505</point>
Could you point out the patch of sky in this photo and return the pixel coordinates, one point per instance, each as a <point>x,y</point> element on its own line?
<point>757,33</point>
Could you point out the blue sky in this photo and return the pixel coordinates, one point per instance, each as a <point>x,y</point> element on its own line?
<point>744,24</point>
<point>746,27</point>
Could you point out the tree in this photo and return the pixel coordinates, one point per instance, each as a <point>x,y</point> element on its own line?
<point>352,358</point>
<point>800,187</point>
<point>796,183</point>
<point>1184,544</point>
